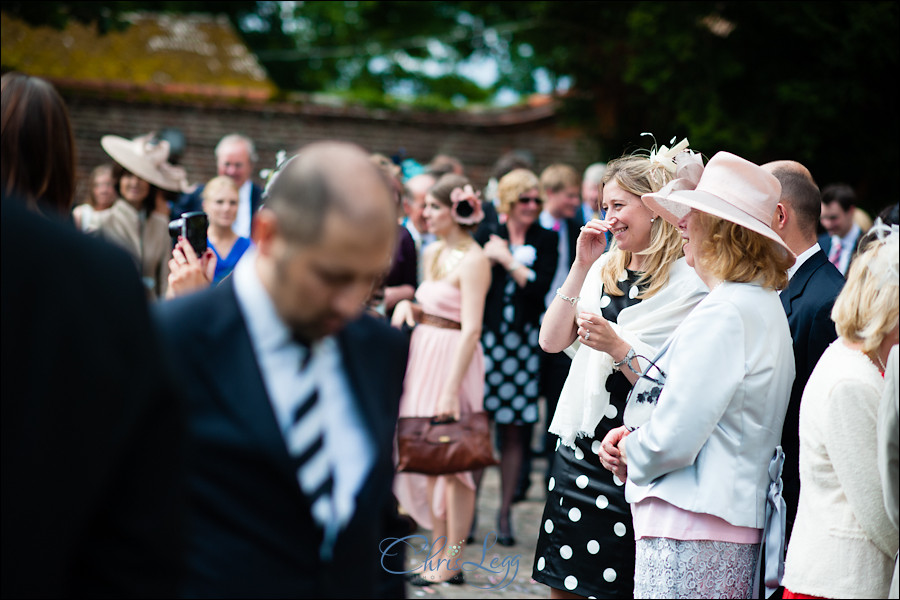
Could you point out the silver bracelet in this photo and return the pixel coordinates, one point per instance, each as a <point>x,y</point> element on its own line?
<point>571,301</point>
<point>514,265</point>
<point>626,360</point>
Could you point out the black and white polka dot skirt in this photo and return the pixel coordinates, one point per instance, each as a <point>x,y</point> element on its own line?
<point>512,371</point>
<point>586,541</point>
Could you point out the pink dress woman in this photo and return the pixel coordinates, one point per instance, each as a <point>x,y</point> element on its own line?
<point>431,350</point>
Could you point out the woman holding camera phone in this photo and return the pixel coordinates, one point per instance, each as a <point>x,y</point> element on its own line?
<point>224,248</point>
<point>139,219</point>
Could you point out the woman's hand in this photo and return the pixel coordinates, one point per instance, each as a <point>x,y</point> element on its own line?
<point>447,407</point>
<point>404,312</point>
<point>595,332</point>
<point>612,452</point>
<point>591,241</point>
<point>187,273</point>
<point>497,250</point>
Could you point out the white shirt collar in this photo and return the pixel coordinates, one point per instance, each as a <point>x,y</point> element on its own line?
<point>802,258</point>
<point>242,222</point>
<point>266,328</point>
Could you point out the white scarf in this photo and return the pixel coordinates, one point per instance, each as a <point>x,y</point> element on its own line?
<point>645,326</point>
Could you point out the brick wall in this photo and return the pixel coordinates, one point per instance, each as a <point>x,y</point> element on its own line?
<point>477,140</point>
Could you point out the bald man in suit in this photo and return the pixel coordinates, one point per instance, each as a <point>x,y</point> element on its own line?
<point>813,285</point>
<point>293,393</point>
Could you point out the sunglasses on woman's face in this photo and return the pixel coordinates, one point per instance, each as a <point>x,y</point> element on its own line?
<point>530,199</point>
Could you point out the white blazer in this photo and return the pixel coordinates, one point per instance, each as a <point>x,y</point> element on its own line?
<point>709,442</point>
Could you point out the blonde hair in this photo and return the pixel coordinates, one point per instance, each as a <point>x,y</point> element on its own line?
<point>215,184</point>
<point>512,185</point>
<point>635,175</point>
<point>867,308</point>
<point>734,253</point>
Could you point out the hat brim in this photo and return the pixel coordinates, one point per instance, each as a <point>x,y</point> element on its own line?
<point>674,206</point>
<point>123,152</point>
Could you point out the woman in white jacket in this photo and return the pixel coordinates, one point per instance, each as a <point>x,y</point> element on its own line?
<point>843,543</point>
<point>698,471</point>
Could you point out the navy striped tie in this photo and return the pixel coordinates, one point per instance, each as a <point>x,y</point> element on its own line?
<point>311,462</point>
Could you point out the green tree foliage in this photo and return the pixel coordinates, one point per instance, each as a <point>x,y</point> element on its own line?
<point>809,81</point>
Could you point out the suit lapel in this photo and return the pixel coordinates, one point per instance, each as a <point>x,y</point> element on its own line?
<point>356,341</point>
<point>800,279</point>
<point>256,193</point>
<point>355,346</point>
<point>235,373</point>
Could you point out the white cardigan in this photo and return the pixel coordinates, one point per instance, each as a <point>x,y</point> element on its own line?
<point>843,543</point>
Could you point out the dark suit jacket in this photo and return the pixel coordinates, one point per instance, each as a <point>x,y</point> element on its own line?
<point>574,230</point>
<point>194,201</point>
<point>807,301</point>
<point>250,529</point>
<point>91,424</point>
<point>529,300</point>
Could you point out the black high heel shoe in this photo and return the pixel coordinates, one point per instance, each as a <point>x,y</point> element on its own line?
<point>505,538</point>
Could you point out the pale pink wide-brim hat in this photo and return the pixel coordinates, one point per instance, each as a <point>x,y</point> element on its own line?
<point>148,159</point>
<point>730,188</point>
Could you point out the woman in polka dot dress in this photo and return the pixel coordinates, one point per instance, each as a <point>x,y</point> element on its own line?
<point>523,256</point>
<point>613,305</point>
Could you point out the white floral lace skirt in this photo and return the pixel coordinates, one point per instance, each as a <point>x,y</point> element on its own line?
<point>667,568</point>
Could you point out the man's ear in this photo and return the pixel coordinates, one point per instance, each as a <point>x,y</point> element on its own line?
<point>780,218</point>
<point>265,229</point>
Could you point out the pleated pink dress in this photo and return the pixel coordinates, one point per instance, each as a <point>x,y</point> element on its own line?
<point>432,351</point>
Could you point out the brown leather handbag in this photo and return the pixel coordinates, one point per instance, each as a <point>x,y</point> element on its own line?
<point>426,445</point>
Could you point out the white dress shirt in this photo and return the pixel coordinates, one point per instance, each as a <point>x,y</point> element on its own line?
<point>802,258</point>
<point>349,446</point>
<point>421,241</point>
<point>848,247</point>
<point>244,219</point>
<point>564,261</point>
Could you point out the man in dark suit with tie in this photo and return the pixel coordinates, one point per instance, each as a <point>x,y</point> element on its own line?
<point>842,235</point>
<point>235,157</point>
<point>293,393</point>
<point>92,431</point>
<point>561,191</point>
<point>812,288</point>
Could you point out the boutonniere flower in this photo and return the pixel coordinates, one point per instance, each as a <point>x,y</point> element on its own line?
<point>525,254</point>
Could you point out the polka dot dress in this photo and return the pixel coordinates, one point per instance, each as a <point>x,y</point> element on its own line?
<point>586,540</point>
<point>511,365</point>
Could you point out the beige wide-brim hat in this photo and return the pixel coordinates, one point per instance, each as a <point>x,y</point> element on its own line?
<point>730,188</point>
<point>148,159</point>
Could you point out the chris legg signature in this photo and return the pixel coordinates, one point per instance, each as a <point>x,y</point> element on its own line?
<point>419,544</point>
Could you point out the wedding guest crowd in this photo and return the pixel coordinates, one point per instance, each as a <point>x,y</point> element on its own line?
<point>228,426</point>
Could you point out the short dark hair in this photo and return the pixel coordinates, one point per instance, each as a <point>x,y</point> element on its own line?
<point>36,143</point>
<point>841,193</point>
<point>802,194</point>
